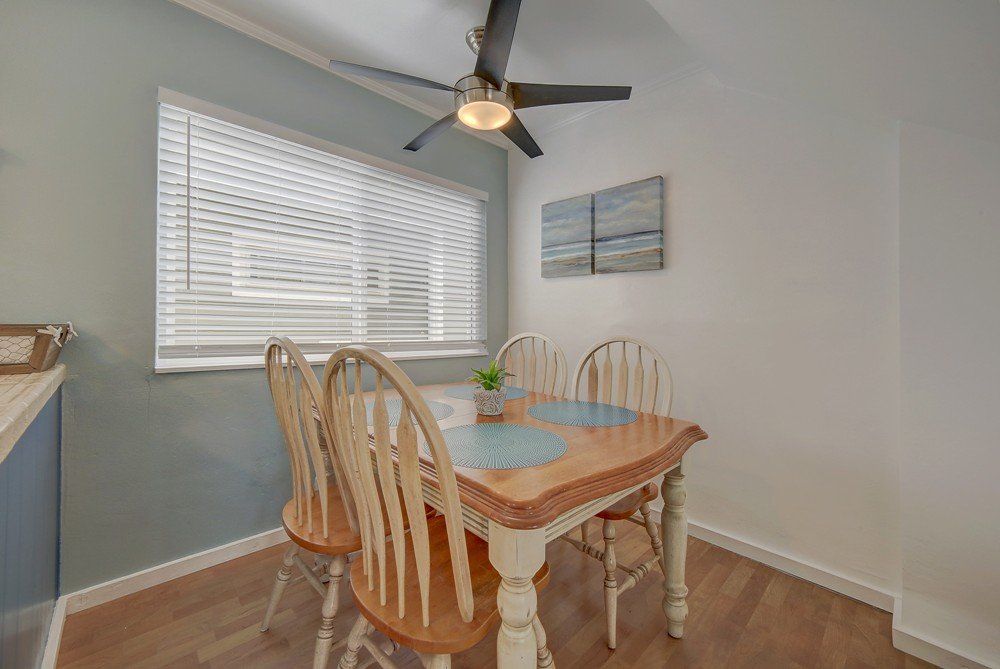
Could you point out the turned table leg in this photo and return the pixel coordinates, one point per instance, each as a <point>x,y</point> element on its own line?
<point>674,530</point>
<point>545,660</point>
<point>517,555</point>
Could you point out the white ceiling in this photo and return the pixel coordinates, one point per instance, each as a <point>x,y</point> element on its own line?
<point>934,62</point>
<point>619,42</point>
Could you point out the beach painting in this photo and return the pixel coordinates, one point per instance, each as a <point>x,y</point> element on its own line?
<point>628,227</point>
<point>568,237</point>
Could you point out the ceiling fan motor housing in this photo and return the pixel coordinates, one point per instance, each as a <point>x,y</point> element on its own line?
<point>476,89</point>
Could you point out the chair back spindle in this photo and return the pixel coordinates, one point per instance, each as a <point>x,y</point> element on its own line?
<point>379,480</point>
<point>625,372</point>
<point>536,362</point>
<point>295,392</point>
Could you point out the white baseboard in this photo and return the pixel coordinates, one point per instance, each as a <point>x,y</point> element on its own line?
<point>904,639</point>
<point>126,585</point>
<point>51,653</point>
<point>935,652</point>
<point>864,592</point>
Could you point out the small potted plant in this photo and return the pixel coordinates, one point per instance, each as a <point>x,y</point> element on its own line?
<point>490,392</point>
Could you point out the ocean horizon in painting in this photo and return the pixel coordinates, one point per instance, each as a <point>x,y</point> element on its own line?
<point>568,237</point>
<point>628,227</point>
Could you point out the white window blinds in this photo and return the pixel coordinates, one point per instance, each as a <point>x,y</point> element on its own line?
<point>257,235</point>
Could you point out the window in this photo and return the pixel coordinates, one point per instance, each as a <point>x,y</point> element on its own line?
<point>260,234</point>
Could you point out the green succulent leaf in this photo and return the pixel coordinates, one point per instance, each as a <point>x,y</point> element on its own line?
<point>491,377</point>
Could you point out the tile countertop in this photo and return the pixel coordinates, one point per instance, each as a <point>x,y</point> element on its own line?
<point>22,396</point>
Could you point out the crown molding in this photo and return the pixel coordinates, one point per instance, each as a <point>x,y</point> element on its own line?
<point>251,29</point>
<point>673,76</point>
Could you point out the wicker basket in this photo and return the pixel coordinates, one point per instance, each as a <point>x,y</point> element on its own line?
<point>32,348</point>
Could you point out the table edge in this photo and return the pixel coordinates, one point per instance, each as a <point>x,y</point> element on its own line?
<point>542,510</point>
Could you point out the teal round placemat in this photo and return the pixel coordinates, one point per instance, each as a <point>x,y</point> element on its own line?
<point>393,407</point>
<point>501,446</point>
<point>465,392</point>
<point>583,414</point>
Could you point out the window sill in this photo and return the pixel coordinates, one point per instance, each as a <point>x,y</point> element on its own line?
<point>172,366</point>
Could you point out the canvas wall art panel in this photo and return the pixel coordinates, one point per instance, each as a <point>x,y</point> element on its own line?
<point>568,237</point>
<point>628,227</point>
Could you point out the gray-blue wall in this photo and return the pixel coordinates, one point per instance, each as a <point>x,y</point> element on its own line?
<point>29,540</point>
<point>162,466</point>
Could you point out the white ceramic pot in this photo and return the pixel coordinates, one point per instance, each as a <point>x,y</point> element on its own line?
<point>489,402</point>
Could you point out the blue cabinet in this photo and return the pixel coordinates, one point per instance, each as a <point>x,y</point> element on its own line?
<point>29,539</point>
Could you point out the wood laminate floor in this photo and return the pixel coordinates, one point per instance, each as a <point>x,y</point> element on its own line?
<point>742,614</point>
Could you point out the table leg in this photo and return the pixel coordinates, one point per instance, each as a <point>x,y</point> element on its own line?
<point>674,529</point>
<point>517,555</point>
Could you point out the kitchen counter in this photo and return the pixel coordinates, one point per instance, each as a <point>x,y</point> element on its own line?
<point>22,396</point>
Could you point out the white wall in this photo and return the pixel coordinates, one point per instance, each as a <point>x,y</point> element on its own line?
<point>777,309</point>
<point>161,466</point>
<point>950,464</point>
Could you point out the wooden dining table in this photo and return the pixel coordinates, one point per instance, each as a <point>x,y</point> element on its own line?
<point>519,511</point>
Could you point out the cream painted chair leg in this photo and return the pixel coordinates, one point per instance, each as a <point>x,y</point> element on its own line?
<point>585,531</point>
<point>653,531</point>
<point>436,661</point>
<point>544,656</point>
<point>349,660</point>
<point>321,563</point>
<point>331,602</point>
<point>280,583</point>
<point>674,528</point>
<point>610,583</point>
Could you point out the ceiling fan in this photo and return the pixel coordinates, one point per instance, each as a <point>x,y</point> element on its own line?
<point>484,100</point>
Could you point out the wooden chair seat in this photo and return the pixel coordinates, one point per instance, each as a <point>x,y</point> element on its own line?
<point>341,539</point>
<point>447,632</point>
<point>627,506</point>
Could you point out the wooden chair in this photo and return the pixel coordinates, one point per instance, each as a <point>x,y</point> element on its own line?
<point>321,516</point>
<point>626,372</point>
<point>537,363</point>
<point>431,589</point>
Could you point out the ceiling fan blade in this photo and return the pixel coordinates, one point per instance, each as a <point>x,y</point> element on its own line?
<point>387,75</point>
<point>517,133</point>
<point>537,95</point>
<point>433,131</point>
<point>494,52</point>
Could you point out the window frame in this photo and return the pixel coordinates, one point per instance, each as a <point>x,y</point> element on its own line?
<point>197,106</point>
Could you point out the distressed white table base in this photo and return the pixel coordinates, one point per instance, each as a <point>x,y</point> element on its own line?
<point>673,527</point>
<point>518,555</point>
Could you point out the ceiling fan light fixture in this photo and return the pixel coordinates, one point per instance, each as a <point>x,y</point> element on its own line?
<point>481,106</point>
<point>484,115</point>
